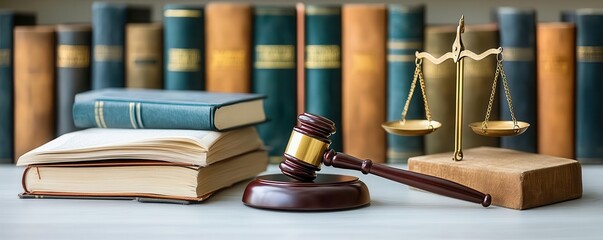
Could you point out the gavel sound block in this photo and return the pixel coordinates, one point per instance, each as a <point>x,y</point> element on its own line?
<point>299,188</point>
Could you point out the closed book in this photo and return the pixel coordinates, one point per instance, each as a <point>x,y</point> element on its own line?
<point>8,20</point>
<point>363,90</point>
<point>228,44</point>
<point>589,72</point>
<point>109,37</point>
<point>556,58</point>
<point>405,31</point>
<point>518,39</point>
<point>184,48</point>
<point>73,70</point>
<point>144,55</point>
<point>323,65</point>
<point>300,54</point>
<point>34,87</point>
<point>166,109</point>
<point>274,73</point>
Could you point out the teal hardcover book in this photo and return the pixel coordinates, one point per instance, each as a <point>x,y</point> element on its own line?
<point>184,47</point>
<point>274,73</point>
<point>8,21</point>
<point>405,29</point>
<point>166,109</point>
<point>323,65</point>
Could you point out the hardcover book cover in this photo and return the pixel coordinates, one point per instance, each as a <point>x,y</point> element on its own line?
<point>274,73</point>
<point>144,55</point>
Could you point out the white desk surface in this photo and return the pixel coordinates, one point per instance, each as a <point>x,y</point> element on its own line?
<point>396,212</point>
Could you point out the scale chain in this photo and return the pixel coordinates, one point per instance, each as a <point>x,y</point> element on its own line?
<point>500,71</point>
<point>418,74</point>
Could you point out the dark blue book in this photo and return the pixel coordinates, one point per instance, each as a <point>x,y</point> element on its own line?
<point>166,109</point>
<point>8,21</point>
<point>108,38</point>
<point>274,73</point>
<point>589,85</point>
<point>323,65</point>
<point>405,37</point>
<point>518,39</point>
<point>184,44</point>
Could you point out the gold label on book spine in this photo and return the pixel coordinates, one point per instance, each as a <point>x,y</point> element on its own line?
<point>73,56</point>
<point>589,54</point>
<point>4,57</point>
<point>184,60</point>
<point>275,11</point>
<point>401,57</point>
<point>363,62</point>
<point>182,13</point>
<point>228,59</point>
<point>558,64</point>
<point>323,56</point>
<point>107,53</point>
<point>275,56</point>
<point>404,45</point>
<point>319,10</point>
<point>518,54</point>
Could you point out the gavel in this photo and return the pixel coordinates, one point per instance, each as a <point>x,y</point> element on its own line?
<point>308,147</point>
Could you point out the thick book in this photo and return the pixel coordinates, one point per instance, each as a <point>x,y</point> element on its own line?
<point>145,181</point>
<point>228,44</point>
<point>363,91</point>
<point>184,48</point>
<point>8,21</point>
<point>34,87</point>
<point>405,35</point>
<point>589,72</point>
<point>108,38</point>
<point>73,70</point>
<point>323,65</point>
<point>144,55</point>
<point>556,59</point>
<point>166,109</point>
<point>193,147</point>
<point>517,28</point>
<point>301,56</point>
<point>274,73</point>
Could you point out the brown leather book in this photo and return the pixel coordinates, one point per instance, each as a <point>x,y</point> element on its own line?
<point>301,58</point>
<point>364,36</point>
<point>228,46</point>
<point>555,45</point>
<point>144,55</point>
<point>34,87</point>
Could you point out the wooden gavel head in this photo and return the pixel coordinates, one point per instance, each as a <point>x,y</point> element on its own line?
<point>307,144</point>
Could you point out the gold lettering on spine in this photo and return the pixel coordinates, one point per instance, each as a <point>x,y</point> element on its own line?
<point>182,13</point>
<point>228,59</point>
<point>73,56</point>
<point>363,62</point>
<point>107,53</point>
<point>589,54</point>
<point>275,56</point>
<point>184,60</point>
<point>5,57</point>
<point>323,56</point>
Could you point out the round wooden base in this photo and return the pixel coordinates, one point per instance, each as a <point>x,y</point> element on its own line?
<point>327,192</point>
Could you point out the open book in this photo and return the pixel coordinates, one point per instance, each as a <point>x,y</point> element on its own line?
<point>192,147</point>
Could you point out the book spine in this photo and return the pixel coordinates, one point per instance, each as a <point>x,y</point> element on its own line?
<point>144,49</point>
<point>228,46</point>
<point>8,21</point>
<point>73,71</point>
<point>274,73</point>
<point>137,115</point>
<point>363,90</point>
<point>108,38</point>
<point>518,40</point>
<point>405,37</point>
<point>34,87</point>
<point>323,65</point>
<point>184,47</point>
<point>589,72</point>
<point>555,49</point>
<point>301,57</point>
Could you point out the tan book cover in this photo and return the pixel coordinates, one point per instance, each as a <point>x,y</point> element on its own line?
<point>144,55</point>
<point>34,87</point>
<point>301,58</point>
<point>228,28</point>
<point>555,43</point>
<point>364,42</point>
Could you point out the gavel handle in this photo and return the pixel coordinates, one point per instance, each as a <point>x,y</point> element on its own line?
<point>428,183</point>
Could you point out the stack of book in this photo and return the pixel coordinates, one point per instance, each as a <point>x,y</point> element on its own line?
<point>150,145</point>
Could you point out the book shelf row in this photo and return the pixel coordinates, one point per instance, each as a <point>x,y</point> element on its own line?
<point>352,63</point>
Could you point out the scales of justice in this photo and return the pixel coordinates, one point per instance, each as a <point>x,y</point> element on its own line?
<point>418,127</point>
